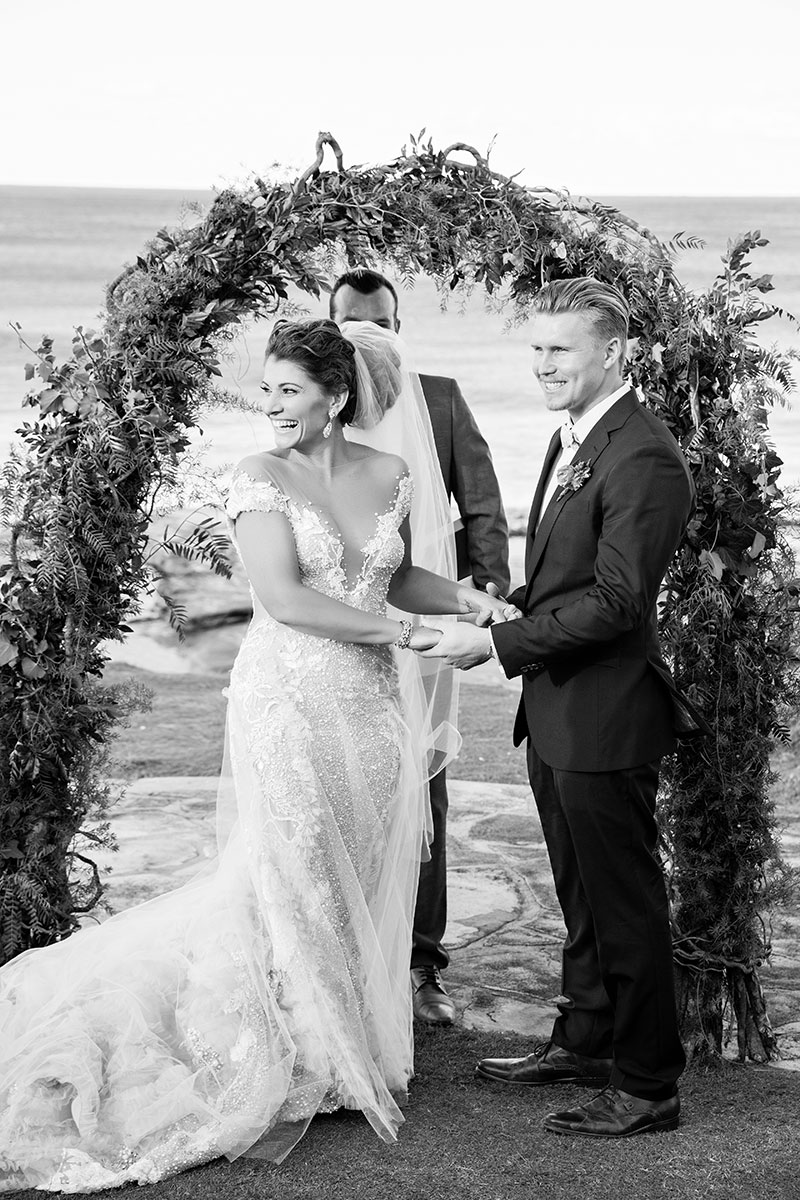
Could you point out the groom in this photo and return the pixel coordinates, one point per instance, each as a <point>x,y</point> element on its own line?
<point>598,710</point>
<point>482,552</point>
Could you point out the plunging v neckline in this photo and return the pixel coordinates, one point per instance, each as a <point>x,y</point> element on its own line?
<point>326,524</point>
<point>365,552</point>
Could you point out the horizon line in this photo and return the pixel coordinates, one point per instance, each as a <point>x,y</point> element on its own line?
<point>211,188</point>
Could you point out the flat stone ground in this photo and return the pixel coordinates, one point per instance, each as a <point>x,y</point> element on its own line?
<point>504,929</point>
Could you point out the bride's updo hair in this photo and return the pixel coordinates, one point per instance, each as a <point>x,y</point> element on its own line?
<point>362,359</point>
<point>323,353</point>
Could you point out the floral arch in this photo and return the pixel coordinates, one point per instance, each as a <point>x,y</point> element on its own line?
<point>112,421</point>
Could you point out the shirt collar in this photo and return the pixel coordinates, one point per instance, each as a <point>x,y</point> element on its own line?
<point>583,426</point>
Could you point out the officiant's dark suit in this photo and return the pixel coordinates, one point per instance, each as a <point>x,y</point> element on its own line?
<point>470,480</point>
<point>599,710</point>
<point>482,552</point>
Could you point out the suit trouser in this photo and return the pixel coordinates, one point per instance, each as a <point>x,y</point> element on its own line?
<point>618,977</point>
<point>430,915</point>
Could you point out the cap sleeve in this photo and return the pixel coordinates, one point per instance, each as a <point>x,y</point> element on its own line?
<point>254,495</point>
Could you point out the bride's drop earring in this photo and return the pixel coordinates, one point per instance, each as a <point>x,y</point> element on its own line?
<point>328,430</point>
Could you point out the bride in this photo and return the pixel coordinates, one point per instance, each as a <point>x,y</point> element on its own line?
<point>218,1019</point>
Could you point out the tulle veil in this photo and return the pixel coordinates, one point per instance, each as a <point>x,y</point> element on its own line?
<point>392,416</point>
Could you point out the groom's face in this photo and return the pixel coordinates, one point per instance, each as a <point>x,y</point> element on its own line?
<point>379,307</point>
<point>574,367</point>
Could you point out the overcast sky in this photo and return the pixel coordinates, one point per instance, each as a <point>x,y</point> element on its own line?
<point>688,97</point>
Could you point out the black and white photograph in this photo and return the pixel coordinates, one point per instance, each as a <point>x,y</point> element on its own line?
<point>400,600</point>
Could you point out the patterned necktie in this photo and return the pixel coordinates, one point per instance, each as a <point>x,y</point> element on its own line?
<point>568,439</point>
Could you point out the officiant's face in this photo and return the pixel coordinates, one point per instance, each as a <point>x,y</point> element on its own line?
<point>574,367</point>
<point>379,307</point>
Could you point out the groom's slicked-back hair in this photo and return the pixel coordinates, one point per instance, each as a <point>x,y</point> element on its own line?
<point>365,281</point>
<point>602,303</point>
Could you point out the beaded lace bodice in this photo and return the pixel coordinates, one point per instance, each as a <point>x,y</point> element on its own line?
<point>320,550</point>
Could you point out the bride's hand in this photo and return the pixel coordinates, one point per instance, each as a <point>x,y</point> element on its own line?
<point>510,611</point>
<point>424,638</point>
<point>483,608</point>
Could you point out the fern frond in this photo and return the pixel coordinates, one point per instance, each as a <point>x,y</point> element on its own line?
<point>177,615</point>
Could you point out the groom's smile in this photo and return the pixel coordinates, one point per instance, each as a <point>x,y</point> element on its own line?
<point>575,367</point>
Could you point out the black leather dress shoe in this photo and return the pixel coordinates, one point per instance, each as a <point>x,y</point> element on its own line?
<point>431,1002</point>
<point>616,1114</point>
<point>549,1063</point>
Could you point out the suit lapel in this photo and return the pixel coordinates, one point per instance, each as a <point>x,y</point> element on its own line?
<point>590,450</point>
<point>553,451</point>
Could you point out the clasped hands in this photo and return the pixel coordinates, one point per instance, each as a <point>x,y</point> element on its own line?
<point>467,642</point>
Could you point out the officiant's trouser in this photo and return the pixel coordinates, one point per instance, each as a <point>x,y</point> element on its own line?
<point>618,980</point>
<point>430,914</point>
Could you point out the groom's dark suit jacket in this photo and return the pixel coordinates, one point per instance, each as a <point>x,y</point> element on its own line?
<point>597,694</point>
<point>482,542</point>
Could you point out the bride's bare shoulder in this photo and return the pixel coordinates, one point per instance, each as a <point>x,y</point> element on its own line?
<point>382,477</point>
<point>265,467</point>
<point>381,466</point>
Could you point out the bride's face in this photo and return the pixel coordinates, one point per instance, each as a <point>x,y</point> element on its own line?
<point>295,403</point>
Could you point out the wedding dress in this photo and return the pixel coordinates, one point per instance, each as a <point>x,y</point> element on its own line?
<point>220,1018</point>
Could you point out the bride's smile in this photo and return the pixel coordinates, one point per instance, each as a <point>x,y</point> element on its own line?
<point>298,407</point>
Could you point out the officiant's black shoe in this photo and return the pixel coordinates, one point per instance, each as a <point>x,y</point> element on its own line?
<point>549,1063</point>
<point>431,1002</point>
<point>616,1114</point>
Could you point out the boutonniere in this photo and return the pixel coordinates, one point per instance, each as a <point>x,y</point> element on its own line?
<point>571,477</point>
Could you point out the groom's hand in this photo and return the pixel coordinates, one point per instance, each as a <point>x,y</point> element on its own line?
<point>463,646</point>
<point>424,638</point>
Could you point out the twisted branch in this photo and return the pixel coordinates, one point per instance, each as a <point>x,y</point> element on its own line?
<point>97,886</point>
<point>324,138</point>
<point>479,158</point>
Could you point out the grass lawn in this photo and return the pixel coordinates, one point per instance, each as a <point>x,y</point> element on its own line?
<point>183,732</point>
<point>464,1140</point>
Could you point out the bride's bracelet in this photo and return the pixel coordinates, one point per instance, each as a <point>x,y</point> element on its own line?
<point>404,641</point>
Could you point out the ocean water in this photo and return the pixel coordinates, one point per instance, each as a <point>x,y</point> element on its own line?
<point>60,247</point>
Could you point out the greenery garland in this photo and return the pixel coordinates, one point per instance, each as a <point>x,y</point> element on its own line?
<point>112,424</point>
